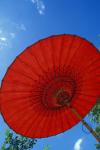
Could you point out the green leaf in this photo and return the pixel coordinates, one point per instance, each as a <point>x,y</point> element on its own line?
<point>46,147</point>
<point>98,146</point>
<point>7,132</point>
<point>97,129</point>
<point>17,142</point>
<point>3,147</point>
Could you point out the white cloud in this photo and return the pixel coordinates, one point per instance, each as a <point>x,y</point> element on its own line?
<point>39,5</point>
<point>3,39</point>
<point>77,145</point>
<point>22,27</point>
<point>19,26</point>
<point>8,35</point>
<point>3,42</point>
<point>12,34</point>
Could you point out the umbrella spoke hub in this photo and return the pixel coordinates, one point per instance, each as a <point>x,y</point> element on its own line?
<point>62,97</point>
<point>59,93</point>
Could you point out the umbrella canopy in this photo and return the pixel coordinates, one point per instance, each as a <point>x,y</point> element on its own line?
<point>44,79</point>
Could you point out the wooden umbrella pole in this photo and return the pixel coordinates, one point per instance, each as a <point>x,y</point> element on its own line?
<point>67,102</point>
<point>85,124</point>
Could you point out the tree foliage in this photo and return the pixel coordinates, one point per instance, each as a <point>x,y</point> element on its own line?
<point>95,113</point>
<point>46,147</point>
<point>17,142</point>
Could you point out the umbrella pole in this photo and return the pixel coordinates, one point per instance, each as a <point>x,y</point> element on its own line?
<point>86,124</point>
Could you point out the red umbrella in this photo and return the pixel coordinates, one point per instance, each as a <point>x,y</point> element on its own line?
<point>51,86</point>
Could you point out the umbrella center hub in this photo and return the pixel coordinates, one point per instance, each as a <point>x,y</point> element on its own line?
<point>58,93</point>
<point>62,97</point>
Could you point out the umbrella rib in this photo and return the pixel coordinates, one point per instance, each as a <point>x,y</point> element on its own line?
<point>91,89</point>
<point>43,54</point>
<point>31,101</point>
<point>17,81</point>
<point>40,121</point>
<point>36,119</point>
<point>89,64</point>
<point>61,50</point>
<point>92,63</point>
<point>23,74</point>
<point>50,121</point>
<point>55,118</point>
<point>31,104</point>
<point>62,119</point>
<point>75,53</point>
<point>59,115</point>
<point>39,66</point>
<point>22,113</point>
<point>80,85</point>
<point>73,117</point>
<point>69,49</point>
<point>18,98</point>
<point>20,91</point>
<point>26,119</point>
<point>53,57</point>
<point>28,66</point>
<point>94,69</point>
<point>86,79</point>
<point>37,61</point>
<point>68,119</point>
<point>33,96</point>
<point>85,94</point>
<point>84,102</point>
<point>47,121</point>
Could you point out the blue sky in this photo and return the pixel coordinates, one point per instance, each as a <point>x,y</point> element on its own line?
<point>22,22</point>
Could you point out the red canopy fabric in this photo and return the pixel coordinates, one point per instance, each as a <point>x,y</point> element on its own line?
<point>42,78</point>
